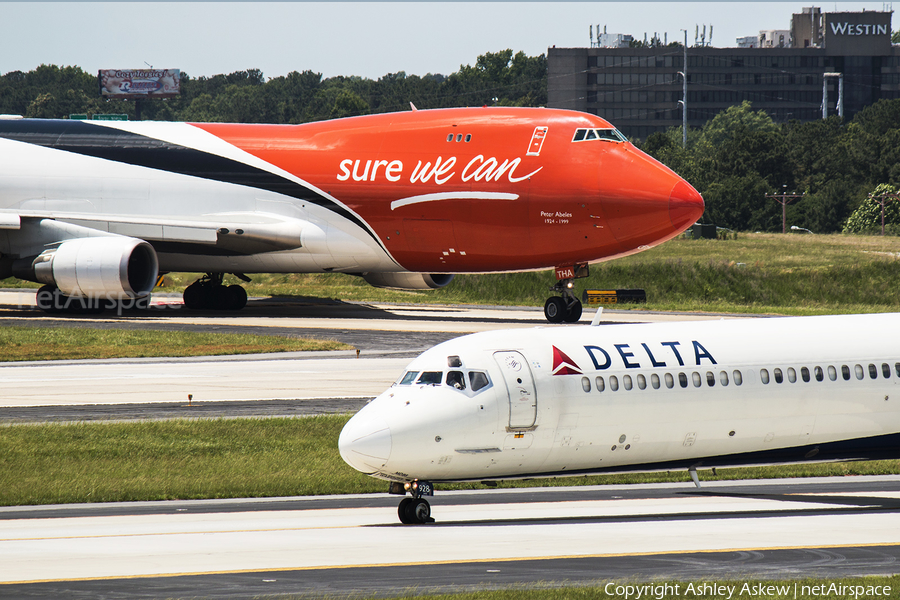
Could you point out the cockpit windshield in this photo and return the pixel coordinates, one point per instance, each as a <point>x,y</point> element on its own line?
<point>610,135</point>
<point>470,382</point>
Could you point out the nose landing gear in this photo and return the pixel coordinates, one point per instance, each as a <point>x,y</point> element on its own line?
<point>565,307</point>
<point>415,510</point>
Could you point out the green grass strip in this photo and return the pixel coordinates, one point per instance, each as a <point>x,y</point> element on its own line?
<point>850,588</point>
<point>240,458</point>
<point>56,343</point>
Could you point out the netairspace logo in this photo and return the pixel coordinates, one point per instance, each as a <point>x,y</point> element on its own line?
<point>712,589</point>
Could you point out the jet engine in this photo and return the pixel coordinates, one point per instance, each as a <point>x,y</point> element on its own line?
<point>111,266</point>
<point>407,281</point>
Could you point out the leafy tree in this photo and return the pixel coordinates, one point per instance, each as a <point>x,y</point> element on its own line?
<point>867,218</point>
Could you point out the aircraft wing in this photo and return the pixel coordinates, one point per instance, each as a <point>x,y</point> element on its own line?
<point>239,232</point>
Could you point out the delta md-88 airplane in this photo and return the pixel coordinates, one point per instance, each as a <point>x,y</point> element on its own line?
<point>97,209</point>
<point>574,400</point>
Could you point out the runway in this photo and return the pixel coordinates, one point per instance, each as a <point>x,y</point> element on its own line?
<point>354,545</point>
<point>388,337</point>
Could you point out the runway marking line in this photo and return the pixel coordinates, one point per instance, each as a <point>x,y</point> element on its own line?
<point>447,562</point>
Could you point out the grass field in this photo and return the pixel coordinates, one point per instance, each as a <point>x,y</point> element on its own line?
<point>887,587</point>
<point>57,343</point>
<point>755,273</point>
<point>235,458</point>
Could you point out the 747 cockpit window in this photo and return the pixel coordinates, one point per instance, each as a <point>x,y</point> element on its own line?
<point>610,135</point>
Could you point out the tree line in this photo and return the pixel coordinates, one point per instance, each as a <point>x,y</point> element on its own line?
<point>497,78</point>
<point>735,160</point>
<point>741,155</point>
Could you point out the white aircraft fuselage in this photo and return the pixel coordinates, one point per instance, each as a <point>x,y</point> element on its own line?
<point>592,399</point>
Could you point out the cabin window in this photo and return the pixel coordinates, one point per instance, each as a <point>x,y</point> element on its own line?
<point>459,137</point>
<point>642,382</point>
<point>710,379</point>
<point>654,381</point>
<point>738,377</point>
<point>897,368</point>
<point>859,371</point>
<point>430,377</point>
<point>819,374</point>
<point>468,137</point>
<point>409,377</point>
<point>670,381</point>
<point>626,382</point>
<point>695,377</point>
<point>586,384</point>
<point>449,137</point>
<point>804,374</point>
<point>792,375</point>
<point>478,380</point>
<point>601,385</point>
<point>613,383</point>
<point>845,372</point>
<point>456,379</point>
<point>682,380</point>
<point>832,373</point>
<point>886,370</point>
<point>778,375</point>
<point>873,371</point>
<point>723,377</point>
<point>764,375</point>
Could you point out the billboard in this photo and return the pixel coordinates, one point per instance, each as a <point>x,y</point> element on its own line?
<point>139,83</point>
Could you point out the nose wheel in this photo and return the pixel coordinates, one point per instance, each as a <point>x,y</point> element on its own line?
<point>416,510</point>
<point>565,307</point>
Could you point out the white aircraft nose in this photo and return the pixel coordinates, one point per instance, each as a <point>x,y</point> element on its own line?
<point>365,444</point>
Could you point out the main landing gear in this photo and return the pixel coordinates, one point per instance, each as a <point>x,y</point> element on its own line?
<point>210,293</point>
<point>414,510</point>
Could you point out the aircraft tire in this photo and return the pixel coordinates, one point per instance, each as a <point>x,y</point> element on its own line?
<point>418,511</point>
<point>47,298</point>
<point>235,297</point>
<point>401,511</point>
<point>573,313</point>
<point>555,309</point>
<point>193,297</point>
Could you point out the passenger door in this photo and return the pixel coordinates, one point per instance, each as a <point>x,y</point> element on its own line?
<point>520,387</point>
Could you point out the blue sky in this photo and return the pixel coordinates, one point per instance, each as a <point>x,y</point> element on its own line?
<point>368,39</point>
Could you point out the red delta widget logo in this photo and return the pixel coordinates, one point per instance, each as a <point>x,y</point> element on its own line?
<point>563,365</point>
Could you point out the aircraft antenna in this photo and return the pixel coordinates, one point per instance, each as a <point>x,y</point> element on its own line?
<point>596,320</point>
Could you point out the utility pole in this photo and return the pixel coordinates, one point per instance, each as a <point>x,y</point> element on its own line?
<point>683,101</point>
<point>784,199</point>
<point>882,199</point>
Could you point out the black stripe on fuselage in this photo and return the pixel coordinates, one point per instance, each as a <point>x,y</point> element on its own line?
<point>881,447</point>
<point>109,143</point>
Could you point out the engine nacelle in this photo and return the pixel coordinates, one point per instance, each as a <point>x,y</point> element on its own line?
<point>114,267</point>
<point>407,281</point>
